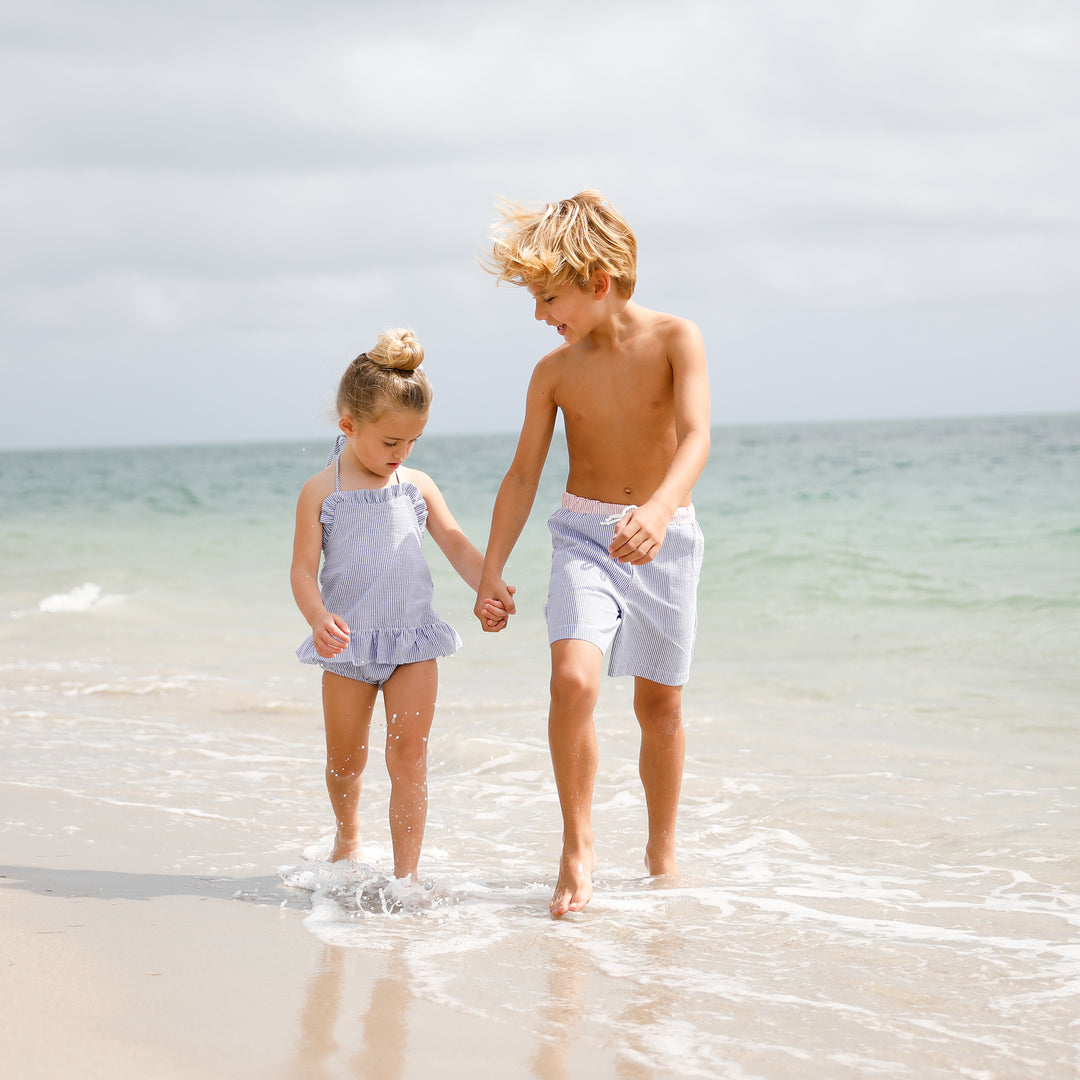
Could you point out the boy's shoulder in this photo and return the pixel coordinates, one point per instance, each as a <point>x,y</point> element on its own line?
<point>668,339</point>
<point>656,335</point>
<point>663,322</point>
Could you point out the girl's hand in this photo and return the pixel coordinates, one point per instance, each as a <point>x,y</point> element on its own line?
<point>331,636</point>
<point>492,613</point>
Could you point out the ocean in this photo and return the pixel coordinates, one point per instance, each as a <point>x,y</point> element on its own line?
<point>880,824</point>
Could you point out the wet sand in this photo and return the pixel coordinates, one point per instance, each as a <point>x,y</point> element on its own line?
<point>117,966</point>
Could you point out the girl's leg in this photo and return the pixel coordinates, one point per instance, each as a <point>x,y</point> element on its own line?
<point>409,698</point>
<point>347,708</point>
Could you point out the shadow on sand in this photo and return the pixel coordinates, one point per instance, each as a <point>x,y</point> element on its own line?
<point>114,885</point>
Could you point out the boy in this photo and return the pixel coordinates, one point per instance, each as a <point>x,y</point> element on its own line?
<point>633,388</point>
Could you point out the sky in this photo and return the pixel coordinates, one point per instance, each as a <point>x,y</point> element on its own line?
<point>871,209</point>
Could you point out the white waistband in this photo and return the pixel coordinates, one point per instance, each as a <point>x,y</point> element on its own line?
<point>617,510</point>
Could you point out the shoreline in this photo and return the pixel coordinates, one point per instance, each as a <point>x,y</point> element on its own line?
<point>119,966</point>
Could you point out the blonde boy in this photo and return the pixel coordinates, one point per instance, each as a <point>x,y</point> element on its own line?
<point>633,388</point>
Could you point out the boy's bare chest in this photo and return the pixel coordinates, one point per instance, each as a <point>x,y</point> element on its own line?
<point>620,434</point>
<point>613,393</point>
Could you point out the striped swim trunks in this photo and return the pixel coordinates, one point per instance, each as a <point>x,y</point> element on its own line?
<point>647,614</point>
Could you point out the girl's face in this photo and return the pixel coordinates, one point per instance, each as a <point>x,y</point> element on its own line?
<point>380,446</point>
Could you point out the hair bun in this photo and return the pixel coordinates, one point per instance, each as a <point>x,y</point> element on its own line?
<point>397,349</point>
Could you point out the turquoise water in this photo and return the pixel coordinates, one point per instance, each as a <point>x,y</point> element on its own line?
<point>879,829</point>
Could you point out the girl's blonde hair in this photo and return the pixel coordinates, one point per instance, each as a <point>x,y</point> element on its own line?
<point>388,377</point>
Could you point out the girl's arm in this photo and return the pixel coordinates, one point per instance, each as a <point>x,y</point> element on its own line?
<point>330,632</point>
<point>459,550</point>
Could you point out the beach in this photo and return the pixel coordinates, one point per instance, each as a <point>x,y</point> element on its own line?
<point>879,834</point>
<point>142,972</point>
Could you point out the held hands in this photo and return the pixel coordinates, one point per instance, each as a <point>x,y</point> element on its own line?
<point>496,607</point>
<point>331,635</point>
<point>639,535</point>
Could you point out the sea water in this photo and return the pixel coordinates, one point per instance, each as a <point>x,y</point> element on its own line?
<point>879,823</point>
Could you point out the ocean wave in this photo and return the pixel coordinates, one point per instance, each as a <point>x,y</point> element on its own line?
<point>82,598</point>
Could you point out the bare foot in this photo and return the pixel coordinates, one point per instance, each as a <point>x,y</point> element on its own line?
<point>662,864</point>
<point>574,887</point>
<point>345,848</point>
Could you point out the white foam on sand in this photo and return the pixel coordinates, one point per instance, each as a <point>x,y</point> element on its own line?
<point>344,892</point>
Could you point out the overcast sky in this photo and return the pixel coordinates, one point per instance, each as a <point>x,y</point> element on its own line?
<point>872,209</point>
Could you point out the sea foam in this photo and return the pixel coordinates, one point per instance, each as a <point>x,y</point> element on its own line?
<point>81,598</point>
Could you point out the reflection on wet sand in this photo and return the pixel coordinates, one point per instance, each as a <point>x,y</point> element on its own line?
<point>569,1019</point>
<point>374,1049</point>
<point>561,1013</point>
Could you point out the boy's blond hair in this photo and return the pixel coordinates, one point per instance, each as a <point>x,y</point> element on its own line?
<point>564,243</point>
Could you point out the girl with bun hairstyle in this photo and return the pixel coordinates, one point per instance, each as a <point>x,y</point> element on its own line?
<point>370,609</point>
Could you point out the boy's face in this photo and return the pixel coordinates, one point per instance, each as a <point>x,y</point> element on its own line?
<point>572,310</point>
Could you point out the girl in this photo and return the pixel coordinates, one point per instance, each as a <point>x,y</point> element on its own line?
<point>372,624</point>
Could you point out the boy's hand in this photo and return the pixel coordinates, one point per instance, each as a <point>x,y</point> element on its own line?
<point>496,607</point>
<point>639,535</point>
<point>331,636</point>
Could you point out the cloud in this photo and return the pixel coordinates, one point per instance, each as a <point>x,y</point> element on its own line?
<point>210,208</point>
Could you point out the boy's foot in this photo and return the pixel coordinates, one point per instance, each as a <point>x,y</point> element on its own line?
<point>574,887</point>
<point>661,863</point>
<point>661,868</point>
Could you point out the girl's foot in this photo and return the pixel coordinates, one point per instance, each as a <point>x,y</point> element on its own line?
<point>346,847</point>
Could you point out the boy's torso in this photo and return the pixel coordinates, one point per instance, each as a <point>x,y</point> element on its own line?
<point>618,406</point>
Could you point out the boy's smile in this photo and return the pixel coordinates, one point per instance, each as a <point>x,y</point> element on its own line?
<point>568,308</point>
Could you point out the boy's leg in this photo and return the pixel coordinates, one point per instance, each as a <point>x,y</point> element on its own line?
<point>575,686</point>
<point>663,751</point>
<point>347,708</point>
<point>409,697</point>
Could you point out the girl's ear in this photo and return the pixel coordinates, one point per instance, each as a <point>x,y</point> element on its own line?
<point>348,426</point>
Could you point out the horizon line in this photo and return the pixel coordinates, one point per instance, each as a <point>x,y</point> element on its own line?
<point>722,424</point>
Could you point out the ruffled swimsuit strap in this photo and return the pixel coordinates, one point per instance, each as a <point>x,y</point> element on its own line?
<point>339,445</point>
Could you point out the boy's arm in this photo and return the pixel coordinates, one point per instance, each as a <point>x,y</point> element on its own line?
<point>640,534</point>
<point>518,488</point>
<point>330,632</point>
